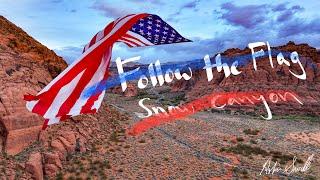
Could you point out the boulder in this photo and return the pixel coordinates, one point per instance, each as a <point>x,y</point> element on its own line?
<point>34,165</point>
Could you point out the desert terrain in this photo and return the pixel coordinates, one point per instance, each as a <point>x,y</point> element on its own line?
<point>231,143</point>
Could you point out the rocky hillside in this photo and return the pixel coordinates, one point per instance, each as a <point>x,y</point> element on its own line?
<point>25,66</point>
<point>14,39</point>
<point>265,78</point>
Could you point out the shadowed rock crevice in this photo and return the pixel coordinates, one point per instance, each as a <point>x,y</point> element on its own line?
<point>3,136</point>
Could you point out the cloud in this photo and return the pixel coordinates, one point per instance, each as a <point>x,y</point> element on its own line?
<point>288,13</point>
<point>69,53</point>
<point>57,1</point>
<point>251,16</point>
<point>277,23</point>
<point>280,7</point>
<point>299,26</point>
<point>285,21</point>
<point>190,5</point>
<point>247,16</point>
<point>115,10</point>
<point>109,10</point>
<point>251,23</point>
<point>156,2</point>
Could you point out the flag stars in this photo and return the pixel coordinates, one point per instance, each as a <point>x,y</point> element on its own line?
<point>141,32</point>
<point>157,31</point>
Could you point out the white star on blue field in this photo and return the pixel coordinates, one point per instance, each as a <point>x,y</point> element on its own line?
<point>214,26</point>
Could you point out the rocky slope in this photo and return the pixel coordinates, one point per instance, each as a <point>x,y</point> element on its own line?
<point>26,66</point>
<point>265,78</point>
<point>60,147</point>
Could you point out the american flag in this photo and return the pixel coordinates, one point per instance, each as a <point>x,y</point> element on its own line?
<point>65,95</point>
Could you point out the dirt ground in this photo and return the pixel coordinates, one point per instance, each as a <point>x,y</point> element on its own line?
<point>215,145</point>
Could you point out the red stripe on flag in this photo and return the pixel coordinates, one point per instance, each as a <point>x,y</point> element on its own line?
<point>45,124</point>
<point>129,36</point>
<point>120,19</point>
<point>84,80</point>
<point>90,102</point>
<point>30,97</point>
<point>93,40</point>
<point>89,63</point>
<point>129,41</point>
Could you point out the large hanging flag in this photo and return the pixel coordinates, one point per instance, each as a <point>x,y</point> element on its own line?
<point>65,96</point>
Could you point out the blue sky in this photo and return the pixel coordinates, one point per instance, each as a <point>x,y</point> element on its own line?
<point>67,25</point>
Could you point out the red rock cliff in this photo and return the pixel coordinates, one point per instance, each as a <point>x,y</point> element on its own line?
<point>25,66</point>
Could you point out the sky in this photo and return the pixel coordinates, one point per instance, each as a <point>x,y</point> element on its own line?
<point>65,26</point>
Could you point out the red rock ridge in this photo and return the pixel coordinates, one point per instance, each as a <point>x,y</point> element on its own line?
<point>26,66</point>
<point>265,78</point>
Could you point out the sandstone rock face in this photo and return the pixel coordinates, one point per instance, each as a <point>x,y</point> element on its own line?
<point>129,92</point>
<point>76,136</point>
<point>34,166</point>
<point>265,78</point>
<point>26,66</point>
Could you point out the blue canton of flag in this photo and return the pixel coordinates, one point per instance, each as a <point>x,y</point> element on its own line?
<point>157,31</point>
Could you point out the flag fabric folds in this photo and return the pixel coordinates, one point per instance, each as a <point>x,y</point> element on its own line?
<point>64,96</point>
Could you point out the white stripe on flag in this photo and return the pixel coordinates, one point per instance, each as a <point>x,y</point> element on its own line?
<point>61,97</point>
<point>119,25</point>
<point>133,40</point>
<point>128,42</point>
<point>91,48</point>
<point>121,18</point>
<point>87,51</point>
<point>53,120</point>
<point>99,35</point>
<point>96,78</point>
<point>30,104</point>
<point>98,102</point>
<point>87,46</point>
<point>141,38</point>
